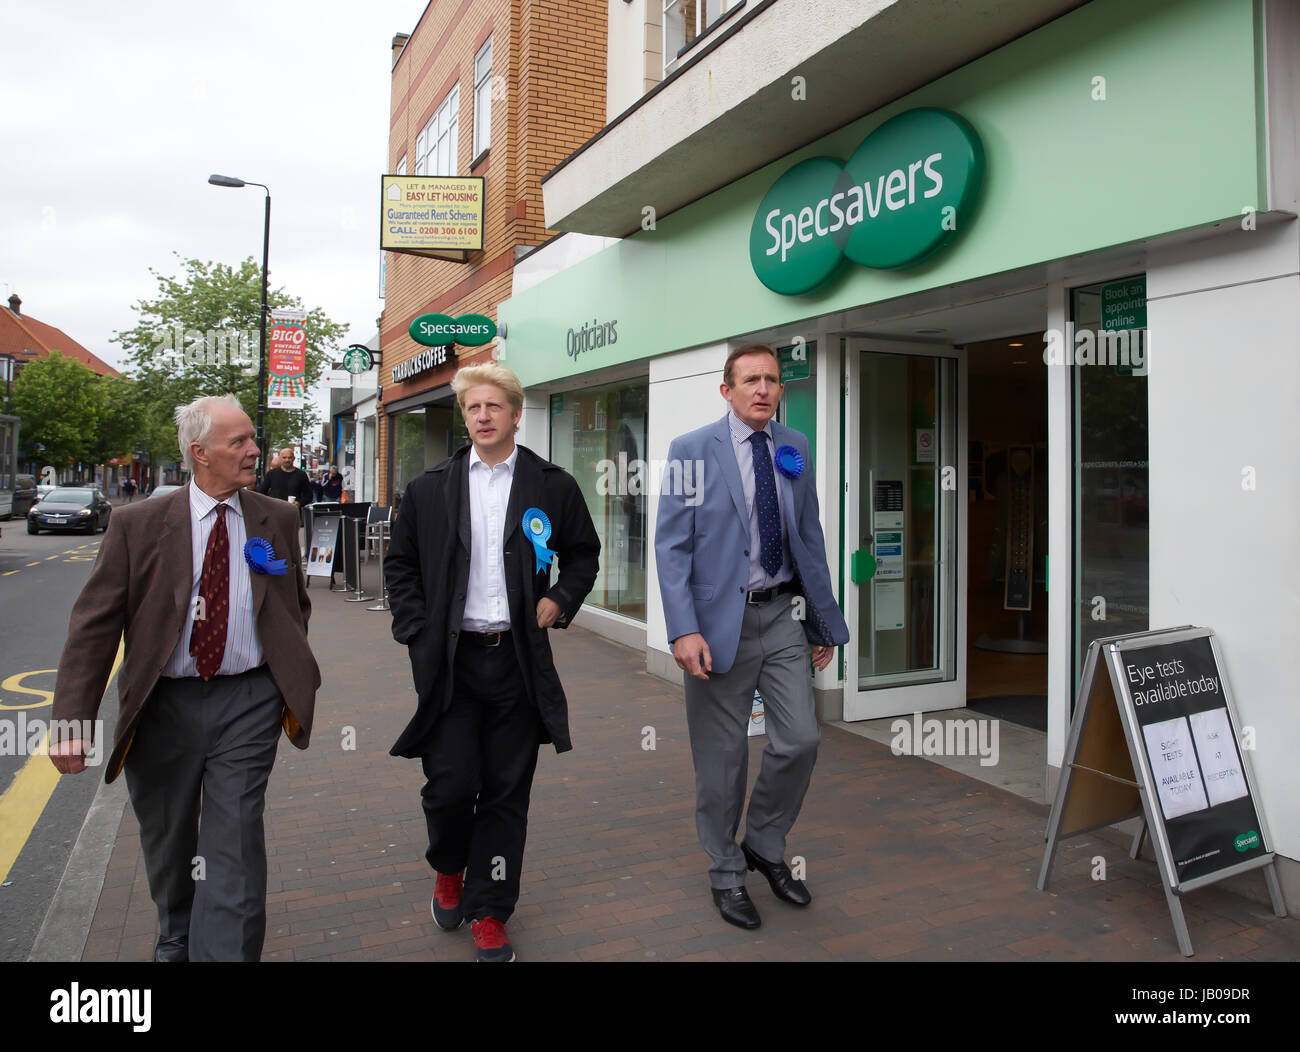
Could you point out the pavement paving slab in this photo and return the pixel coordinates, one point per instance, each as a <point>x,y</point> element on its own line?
<point>906,860</point>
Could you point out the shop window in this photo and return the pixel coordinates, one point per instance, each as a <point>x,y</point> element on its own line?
<point>422,438</point>
<point>598,435</point>
<point>435,146</point>
<point>1112,554</point>
<point>408,447</point>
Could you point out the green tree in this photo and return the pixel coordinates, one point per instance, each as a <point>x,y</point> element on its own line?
<point>60,403</point>
<point>200,335</point>
<point>121,417</point>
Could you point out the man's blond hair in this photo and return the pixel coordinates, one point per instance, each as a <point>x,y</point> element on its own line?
<point>491,373</point>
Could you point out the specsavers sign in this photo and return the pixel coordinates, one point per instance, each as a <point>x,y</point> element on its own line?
<point>901,197</point>
<point>439,216</point>
<point>471,330</point>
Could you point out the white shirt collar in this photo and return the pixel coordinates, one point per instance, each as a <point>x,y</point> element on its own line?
<point>509,462</point>
<point>202,504</point>
<point>740,431</point>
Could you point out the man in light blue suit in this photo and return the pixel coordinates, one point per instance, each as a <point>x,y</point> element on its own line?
<point>746,589</point>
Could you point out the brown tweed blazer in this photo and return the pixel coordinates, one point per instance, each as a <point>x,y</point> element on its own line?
<point>140,588</point>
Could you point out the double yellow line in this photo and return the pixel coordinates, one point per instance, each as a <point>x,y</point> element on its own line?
<point>24,801</point>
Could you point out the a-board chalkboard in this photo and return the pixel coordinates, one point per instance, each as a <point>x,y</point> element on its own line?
<point>1155,733</point>
<point>321,548</point>
<point>1189,739</point>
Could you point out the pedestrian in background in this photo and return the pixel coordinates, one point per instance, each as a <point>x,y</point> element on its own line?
<point>332,487</point>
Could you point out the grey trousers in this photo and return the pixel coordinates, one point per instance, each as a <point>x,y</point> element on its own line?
<point>774,658</point>
<point>207,749</point>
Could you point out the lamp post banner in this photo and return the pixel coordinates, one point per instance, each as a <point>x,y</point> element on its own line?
<point>287,360</point>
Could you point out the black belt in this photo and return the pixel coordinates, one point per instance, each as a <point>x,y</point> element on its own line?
<point>231,675</point>
<point>486,639</point>
<point>766,595</point>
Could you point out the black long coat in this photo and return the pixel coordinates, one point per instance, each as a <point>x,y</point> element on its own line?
<point>427,568</point>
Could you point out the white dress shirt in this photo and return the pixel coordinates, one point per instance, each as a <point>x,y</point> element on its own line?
<point>243,647</point>
<point>758,577</point>
<point>487,606</point>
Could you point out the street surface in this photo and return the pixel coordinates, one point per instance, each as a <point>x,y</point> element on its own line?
<point>41,812</point>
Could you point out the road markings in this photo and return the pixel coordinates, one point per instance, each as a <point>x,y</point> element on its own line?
<point>49,557</point>
<point>37,563</point>
<point>10,573</point>
<point>24,801</point>
<point>15,684</point>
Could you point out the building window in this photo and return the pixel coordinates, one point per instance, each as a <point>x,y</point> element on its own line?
<point>598,435</point>
<point>435,147</point>
<point>1112,550</point>
<point>483,98</point>
<point>401,165</point>
<point>408,448</point>
<point>685,21</point>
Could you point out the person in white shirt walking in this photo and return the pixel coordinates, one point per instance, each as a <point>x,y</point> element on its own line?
<point>469,585</point>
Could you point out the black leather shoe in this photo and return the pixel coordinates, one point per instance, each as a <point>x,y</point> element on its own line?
<point>784,884</point>
<point>173,950</point>
<point>736,908</point>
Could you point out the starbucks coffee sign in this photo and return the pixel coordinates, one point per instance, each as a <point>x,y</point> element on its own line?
<point>901,197</point>
<point>357,358</point>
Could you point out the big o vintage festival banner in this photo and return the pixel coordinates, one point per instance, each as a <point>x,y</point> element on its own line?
<point>287,360</point>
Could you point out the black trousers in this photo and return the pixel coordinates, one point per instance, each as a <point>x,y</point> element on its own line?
<point>479,774</point>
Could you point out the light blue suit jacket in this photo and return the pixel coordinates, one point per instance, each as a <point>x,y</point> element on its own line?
<point>700,550</point>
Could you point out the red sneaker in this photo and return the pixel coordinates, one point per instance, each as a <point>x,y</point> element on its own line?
<point>490,938</point>
<point>445,904</point>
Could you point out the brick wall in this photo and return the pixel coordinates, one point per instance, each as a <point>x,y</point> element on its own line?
<point>549,100</point>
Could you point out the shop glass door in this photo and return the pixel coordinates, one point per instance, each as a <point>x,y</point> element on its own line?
<point>903,600</point>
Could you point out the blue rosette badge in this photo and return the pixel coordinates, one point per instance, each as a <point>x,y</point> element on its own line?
<point>537,528</point>
<point>260,557</point>
<point>789,462</point>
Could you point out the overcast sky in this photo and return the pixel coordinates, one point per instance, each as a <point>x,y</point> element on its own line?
<point>113,115</point>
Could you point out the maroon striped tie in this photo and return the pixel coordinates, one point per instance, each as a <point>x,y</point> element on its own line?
<point>208,640</point>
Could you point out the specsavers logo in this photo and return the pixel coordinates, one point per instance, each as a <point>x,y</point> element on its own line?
<point>901,197</point>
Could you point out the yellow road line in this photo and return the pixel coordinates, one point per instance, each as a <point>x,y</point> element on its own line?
<point>49,557</point>
<point>10,573</point>
<point>37,563</point>
<point>25,799</point>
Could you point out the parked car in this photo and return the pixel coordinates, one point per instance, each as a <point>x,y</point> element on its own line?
<point>70,508</point>
<point>162,491</point>
<point>25,494</point>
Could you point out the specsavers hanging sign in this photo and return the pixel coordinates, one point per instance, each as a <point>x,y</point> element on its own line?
<point>438,332</point>
<point>900,198</point>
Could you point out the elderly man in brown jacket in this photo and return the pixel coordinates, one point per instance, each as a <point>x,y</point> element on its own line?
<point>204,588</point>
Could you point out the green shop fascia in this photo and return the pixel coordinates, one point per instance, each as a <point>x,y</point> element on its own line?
<point>999,165</point>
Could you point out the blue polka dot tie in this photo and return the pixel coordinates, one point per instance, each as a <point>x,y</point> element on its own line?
<point>769,515</point>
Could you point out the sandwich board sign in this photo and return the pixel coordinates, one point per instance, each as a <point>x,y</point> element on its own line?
<point>321,559</point>
<point>1155,735</point>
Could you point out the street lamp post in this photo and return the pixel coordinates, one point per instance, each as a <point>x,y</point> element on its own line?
<point>227,180</point>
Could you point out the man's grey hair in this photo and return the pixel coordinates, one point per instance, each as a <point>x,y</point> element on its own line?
<point>194,422</point>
